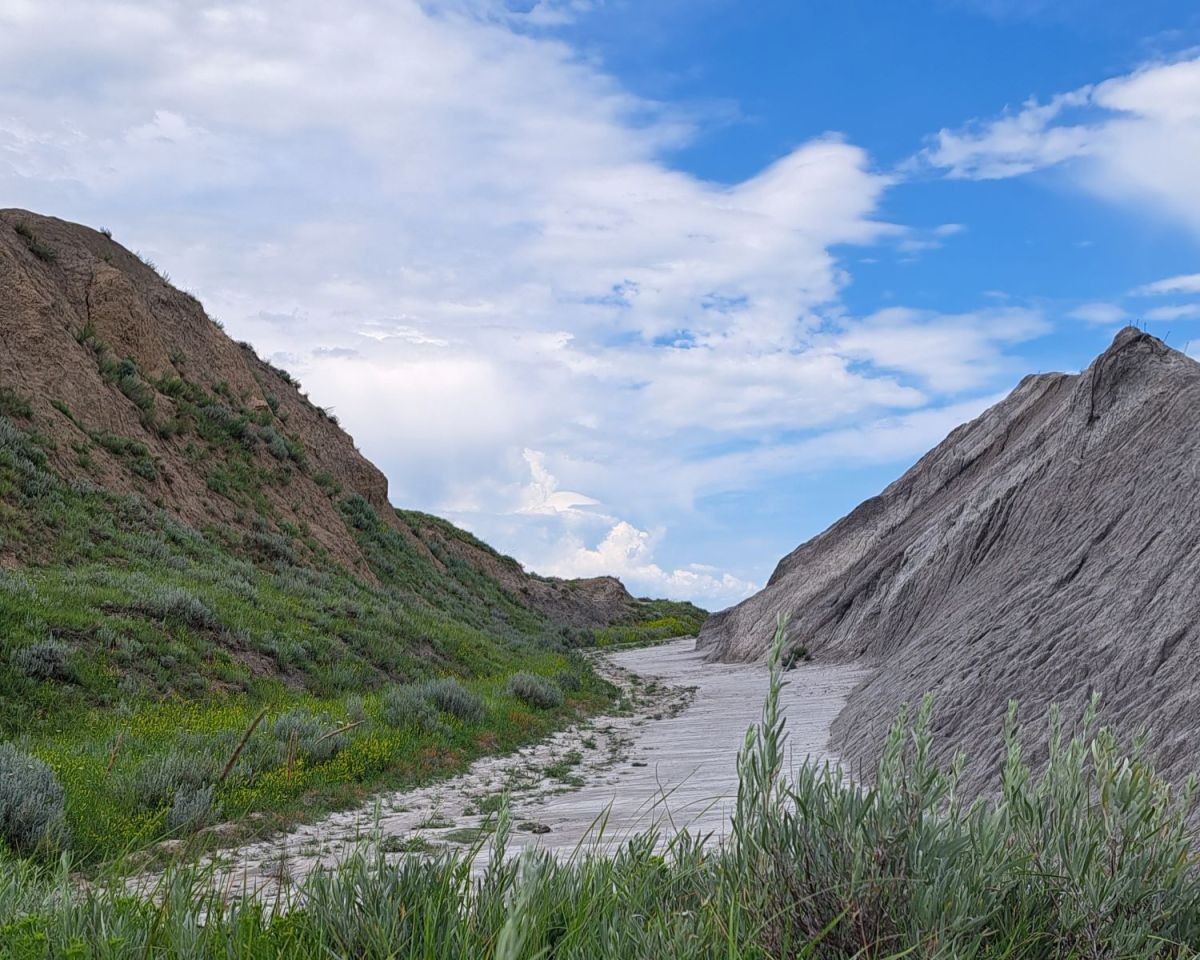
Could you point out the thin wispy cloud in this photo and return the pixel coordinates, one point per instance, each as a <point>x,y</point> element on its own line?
<point>1131,139</point>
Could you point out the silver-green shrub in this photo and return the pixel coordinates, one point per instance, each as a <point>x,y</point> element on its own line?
<point>404,705</point>
<point>175,603</point>
<point>315,737</point>
<point>535,691</point>
<point>450,696</point>
<point>32,804</point>
<point>1087,855</point>
<point>157,782</point>
<point>192,808</point>
<point>48,659</point>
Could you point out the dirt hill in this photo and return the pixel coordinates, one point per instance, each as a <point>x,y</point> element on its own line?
<point>132,387</point>
<point>1044,551</point>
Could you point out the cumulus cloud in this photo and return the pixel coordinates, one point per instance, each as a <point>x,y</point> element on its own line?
<point>1132,139</point>
<point>616,547</point>
<point>542,494</point>
<point>471,242</point>
<point>627,552</point>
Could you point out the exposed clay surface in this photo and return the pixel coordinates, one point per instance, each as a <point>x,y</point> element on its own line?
<point>668,760</point>
<point>1046,550</point>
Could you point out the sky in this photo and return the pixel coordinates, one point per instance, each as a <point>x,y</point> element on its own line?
<point>650,288</point>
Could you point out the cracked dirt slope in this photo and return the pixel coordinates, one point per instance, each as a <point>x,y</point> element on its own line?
<point>1048,549</point>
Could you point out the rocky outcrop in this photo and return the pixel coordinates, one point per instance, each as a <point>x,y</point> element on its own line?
<point>1047,550</point>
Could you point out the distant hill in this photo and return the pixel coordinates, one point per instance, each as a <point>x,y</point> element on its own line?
<point>1046,551</point>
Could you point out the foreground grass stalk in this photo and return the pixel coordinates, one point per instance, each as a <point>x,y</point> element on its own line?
<point>241,745</point>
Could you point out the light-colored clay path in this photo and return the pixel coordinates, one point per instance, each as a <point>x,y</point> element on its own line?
<point>667,759</point>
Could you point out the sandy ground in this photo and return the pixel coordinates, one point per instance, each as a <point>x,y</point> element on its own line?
<point>666,758</point>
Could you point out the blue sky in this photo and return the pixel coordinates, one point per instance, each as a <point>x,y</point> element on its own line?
<point>653,288</point>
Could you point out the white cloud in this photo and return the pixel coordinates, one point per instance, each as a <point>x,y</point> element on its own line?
<point>542,494</point>
<point>1099,313</point>
<point>1184,311</point>
<point>628,553</point>
<point>1015,144</point>
<point>1187,283</point>
<point>470,241</point>
<point>946,353</point>
<point>1133,139</point>
<point>919,241</point>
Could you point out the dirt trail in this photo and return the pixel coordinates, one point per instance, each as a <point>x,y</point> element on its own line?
<point>667,759</point>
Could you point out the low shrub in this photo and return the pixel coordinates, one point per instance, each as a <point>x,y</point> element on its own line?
<point>450,696</point>
<point>175,603</point>
<point>192,809</point>
<point>356,711</point>
<point>32,804</point>
<point>569,681</point>
<point>316,738</point>
<point>404,705</point>
<point>535,691</point>
<point>48,659</point>
<point>159,781</point>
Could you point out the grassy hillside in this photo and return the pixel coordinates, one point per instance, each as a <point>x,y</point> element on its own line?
<point>137,651</point>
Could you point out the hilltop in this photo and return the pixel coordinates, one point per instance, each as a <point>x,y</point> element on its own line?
<point>1045,552</point>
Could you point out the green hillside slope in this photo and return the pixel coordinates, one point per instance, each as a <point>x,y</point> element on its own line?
<point>208,607</point>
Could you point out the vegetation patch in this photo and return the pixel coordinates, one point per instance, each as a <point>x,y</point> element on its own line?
<point>137,653</point>
<point>13,405</point>
<point>34,243</point>
<point>32,813</point>
<point>535,691</point>
<point>655,622</point>
<point>1086,855</point>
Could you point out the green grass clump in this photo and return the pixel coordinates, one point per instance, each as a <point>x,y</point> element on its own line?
<point>34,243</point>
<point>535,691</point>
<point>12,404</point>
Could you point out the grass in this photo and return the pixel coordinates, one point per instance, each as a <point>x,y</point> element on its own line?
<point>656,621</point>
<point>34,243</point>
<point>13,405</point>
<point>1086,856</point>
<point>130,641</point>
